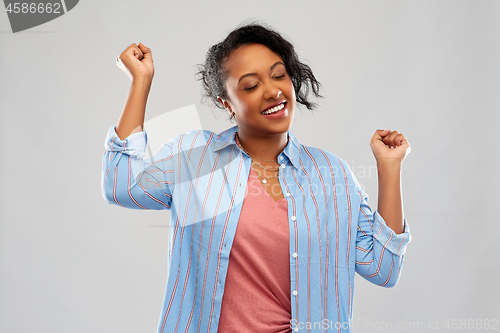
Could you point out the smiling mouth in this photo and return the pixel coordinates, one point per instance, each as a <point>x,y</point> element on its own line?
<point>275,109</point>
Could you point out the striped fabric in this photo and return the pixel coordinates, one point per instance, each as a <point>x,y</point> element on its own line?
<point>202,176</point>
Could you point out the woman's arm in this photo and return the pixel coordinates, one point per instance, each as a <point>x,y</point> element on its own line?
<point>390,149</point>
<point>137,62</point>
<point>128,180</point>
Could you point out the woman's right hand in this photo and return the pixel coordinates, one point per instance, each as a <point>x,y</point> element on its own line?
<point>137,62</point>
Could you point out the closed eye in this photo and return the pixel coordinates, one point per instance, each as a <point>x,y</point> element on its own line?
<point>280,77</point>
<point>251,88</point>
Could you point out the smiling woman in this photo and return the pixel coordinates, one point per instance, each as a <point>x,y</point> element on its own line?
<point>257,83</point>
<point>266,233</point>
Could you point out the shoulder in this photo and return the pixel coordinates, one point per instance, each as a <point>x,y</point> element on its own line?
<point>201,140</point>
<point>329,166</point>
<point>193,138</point>
<point>326,162</point>
<point>321,156</point>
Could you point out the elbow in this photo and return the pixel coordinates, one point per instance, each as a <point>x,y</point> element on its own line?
<point>109,190</point>
<point>383,281</point>
<point>386,279</point>
<point>117,198</point>
<point>390,283</point>
<point>393,278</point>
<point>107,194</point>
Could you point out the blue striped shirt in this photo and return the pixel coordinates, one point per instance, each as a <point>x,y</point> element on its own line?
<point>202,176</point>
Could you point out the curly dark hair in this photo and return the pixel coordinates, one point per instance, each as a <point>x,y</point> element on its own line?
<point>213,74</point>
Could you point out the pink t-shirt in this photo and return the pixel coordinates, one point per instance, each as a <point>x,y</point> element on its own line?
<point>257,289</point>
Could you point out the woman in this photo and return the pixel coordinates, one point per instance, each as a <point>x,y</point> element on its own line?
<point>266,233</point>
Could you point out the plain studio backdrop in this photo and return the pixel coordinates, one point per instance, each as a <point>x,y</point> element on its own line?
<point>429,69</point>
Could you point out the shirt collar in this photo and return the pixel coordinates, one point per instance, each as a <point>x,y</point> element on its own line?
<point>227,138</point>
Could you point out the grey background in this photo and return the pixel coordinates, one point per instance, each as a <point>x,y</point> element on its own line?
<point>430,69</point>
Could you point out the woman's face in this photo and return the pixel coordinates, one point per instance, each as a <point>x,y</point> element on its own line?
<point>258,82</point>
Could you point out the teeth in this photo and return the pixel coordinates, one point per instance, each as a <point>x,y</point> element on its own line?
<point>275,109</point>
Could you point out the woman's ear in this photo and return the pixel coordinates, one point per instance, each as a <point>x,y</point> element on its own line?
<point>225,104</point>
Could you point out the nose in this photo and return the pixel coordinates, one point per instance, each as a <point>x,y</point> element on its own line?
<point>272,91</point>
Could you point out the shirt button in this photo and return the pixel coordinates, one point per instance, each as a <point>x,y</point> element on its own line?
<point>283,165</point>
<point>293,218</point>
<point>296,329</point>
<point>294,293</point>
<point>287,194</point>
<point>295,255</point>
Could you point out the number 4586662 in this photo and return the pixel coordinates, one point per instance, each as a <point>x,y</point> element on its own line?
<point>471,324</point>
<point>32,8</point>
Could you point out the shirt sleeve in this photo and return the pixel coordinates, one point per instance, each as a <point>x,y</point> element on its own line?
<point>379,250</point>
<point>129,179</point>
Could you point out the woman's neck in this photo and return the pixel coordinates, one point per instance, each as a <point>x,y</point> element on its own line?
<point>265,148</point>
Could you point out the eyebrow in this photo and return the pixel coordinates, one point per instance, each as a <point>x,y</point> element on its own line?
<point>255,74</point>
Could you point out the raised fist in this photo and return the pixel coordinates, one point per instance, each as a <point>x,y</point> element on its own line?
<point>137,62</point>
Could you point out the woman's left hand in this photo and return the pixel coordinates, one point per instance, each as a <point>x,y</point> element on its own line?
<point>389,146</point>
